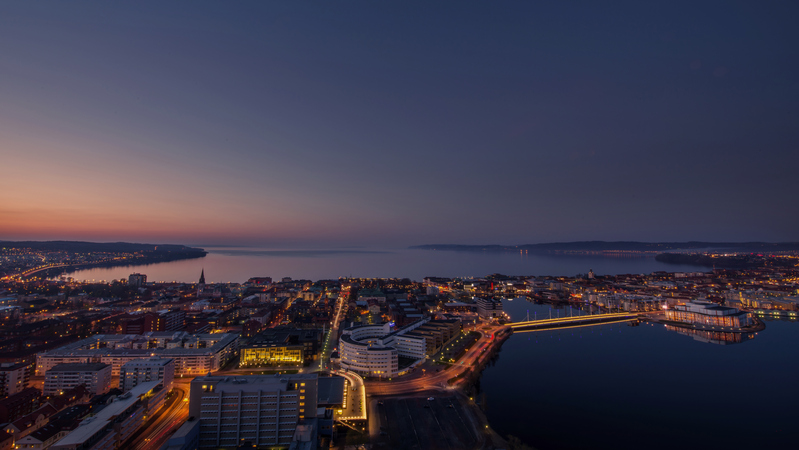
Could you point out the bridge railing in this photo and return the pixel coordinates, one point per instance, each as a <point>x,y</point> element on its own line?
<point>568,318</point>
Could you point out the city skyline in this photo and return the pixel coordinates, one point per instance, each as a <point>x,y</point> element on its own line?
<point>361,124</point>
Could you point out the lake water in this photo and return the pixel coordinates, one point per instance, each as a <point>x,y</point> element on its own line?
<point>622,387</point>
<point>238,264</point>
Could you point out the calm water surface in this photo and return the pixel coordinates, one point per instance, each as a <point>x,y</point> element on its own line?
<point>239,264</point>
<point>622,387</point>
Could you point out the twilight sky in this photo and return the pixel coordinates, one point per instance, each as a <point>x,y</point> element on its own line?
<point>399,123</point>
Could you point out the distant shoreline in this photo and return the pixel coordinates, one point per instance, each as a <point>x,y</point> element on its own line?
<point>146,261</point>
<point>71,256</point>
<point>605,247</point>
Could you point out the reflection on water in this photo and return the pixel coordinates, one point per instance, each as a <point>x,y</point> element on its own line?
<point>713,337</point>
<point>620,387</point>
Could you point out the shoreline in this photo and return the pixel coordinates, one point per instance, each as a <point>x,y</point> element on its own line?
<point>52,272</point>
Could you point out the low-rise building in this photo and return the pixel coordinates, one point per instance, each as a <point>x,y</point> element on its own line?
<point>19,404</point>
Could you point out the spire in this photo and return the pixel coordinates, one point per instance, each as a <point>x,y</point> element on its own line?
<point>202,276</point>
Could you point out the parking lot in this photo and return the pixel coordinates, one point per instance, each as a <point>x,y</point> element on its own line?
<point>419,423</point>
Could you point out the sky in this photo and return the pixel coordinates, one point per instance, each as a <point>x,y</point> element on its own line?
<point>312,124</point>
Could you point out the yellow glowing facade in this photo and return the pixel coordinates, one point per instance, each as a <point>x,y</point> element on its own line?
<point>271,356</point>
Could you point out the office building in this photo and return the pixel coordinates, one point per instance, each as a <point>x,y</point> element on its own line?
<point>261,411</point>
<point>281,347</point>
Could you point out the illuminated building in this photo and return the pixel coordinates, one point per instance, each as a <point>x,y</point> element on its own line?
<point>194,354</point>
<point>709,315</point>
<point>262,411</point>
<point>374,350</point>
<point>63,377</point>
<point>281,346</point>
<point>271,355</point>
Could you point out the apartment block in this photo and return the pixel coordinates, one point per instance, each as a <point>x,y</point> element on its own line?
<point>138,371</point>
<point>96,377</point>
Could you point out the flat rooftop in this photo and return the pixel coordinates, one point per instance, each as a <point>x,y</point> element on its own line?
<point>330,391</point>
<point>256,382</point>
<point>78,367</point>
<point>91,426</point>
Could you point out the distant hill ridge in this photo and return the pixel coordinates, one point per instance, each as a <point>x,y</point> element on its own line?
<point>111,247</point>
<point>596,246</point>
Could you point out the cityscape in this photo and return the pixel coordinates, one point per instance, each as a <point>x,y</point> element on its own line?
<point>337,363</point>
<point>413,225</point>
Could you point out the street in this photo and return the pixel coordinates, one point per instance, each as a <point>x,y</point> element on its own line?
<point>431,376</point>
<point>154,434</point>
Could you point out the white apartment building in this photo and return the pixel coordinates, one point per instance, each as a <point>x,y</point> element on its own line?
<point>96,377</point>
<point>194,355</point>
<point>373,350</point>
<point>263,410</point>
<point>138,371</point>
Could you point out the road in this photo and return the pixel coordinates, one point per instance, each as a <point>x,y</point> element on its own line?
<point>332,336</point>
<point>157,431</point>
<point>425,378</point>
<point>355,397</point>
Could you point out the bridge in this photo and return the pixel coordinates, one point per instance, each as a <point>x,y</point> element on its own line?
<point>573,321</point>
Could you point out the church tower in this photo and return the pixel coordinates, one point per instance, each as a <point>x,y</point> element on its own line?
<point>201,284</point>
